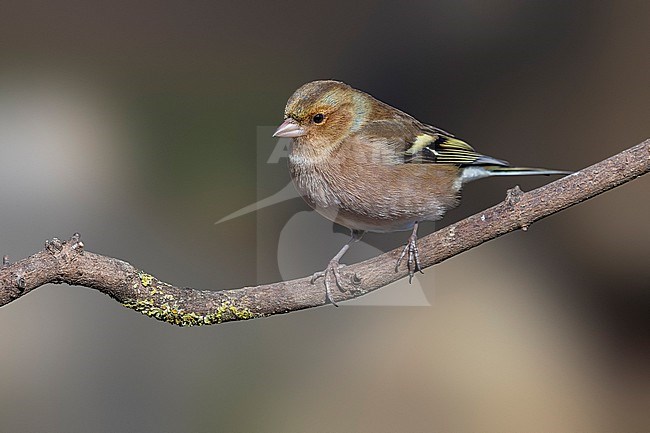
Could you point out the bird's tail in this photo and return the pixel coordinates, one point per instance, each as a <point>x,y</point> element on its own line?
<point>474,172</point>
<point>523,171</point>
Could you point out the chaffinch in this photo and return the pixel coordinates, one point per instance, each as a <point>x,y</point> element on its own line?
<point>370,167</point>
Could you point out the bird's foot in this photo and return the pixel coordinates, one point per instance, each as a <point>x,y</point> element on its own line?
<point>413,259</point>
<point>333,272</point>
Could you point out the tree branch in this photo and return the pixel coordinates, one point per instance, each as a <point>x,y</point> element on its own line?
<point>68,262</point>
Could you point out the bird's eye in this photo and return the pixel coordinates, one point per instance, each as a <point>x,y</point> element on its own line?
<point>318,118</point>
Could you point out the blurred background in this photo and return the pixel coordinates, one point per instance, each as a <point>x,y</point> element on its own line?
<point>140,124</point>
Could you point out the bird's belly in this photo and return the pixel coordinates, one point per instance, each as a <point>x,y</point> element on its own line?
<point>360,222</point>
<point>377,206</point>
<point>377,197</point>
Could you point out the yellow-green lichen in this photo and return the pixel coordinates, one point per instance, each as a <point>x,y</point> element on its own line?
<point>145,278</point>
<point>226,312</point>
<point>228,309</point>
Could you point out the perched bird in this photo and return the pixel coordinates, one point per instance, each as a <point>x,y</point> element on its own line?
<point>370,167</point>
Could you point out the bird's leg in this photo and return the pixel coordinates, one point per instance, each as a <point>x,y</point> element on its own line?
<point>334,267</point>
<point>413,260</point>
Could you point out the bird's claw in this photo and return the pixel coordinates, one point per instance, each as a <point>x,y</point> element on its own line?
<point>332,269</point>
<point>413,259</point>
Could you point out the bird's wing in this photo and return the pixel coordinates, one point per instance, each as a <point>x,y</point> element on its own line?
<point>415,142</point>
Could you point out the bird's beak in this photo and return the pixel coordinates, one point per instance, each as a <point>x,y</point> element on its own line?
<point>289,129</point>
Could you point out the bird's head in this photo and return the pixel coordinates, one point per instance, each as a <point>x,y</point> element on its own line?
<point>321,114</point>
